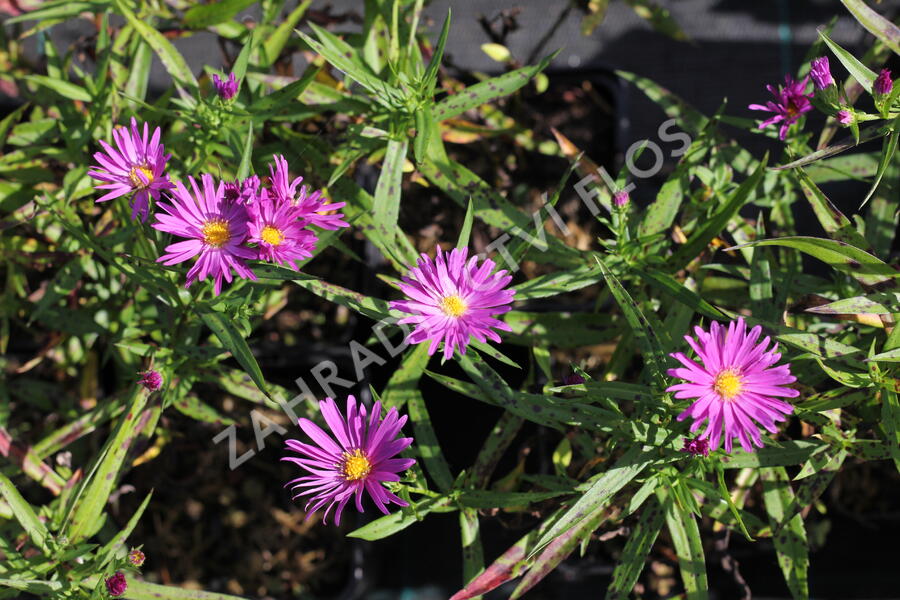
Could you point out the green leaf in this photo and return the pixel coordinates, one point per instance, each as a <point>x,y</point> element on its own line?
<point>284,96</point>
<point>841,256</point>
<point>560,329</point>
<point>787,454</point>
<point>685,533</point>
<point>201,16</point>
<point>171,59</point>
<point>634,555</point>
<point>232,339</point>
<point>346,59</point>
<point>243,171</point>
<point>274,44</point>
<point>374,308</point>
<point>118,541</point>
<point>833,221</point>
<point>558,550</point>
<point>668,285</point>
<point>880,303</point>
<point>889,147</point>
<point>651,346</point>
<point>386,209</point>
<point>33,586</point>
<point>889,356</point>
<point>143,590</point>
<point>626,468</point>
<point>431,72</point>
<point>870,133</point>
<point>24,514</point>
<point>86,516</point>
<point>488,90</point>
<point>465,231</point>
<point>790,536</point>
<point>715,224</point>
<point>472,551</point>
<point>390,524</point>
<point>66,89</point>
<point>877,25</point>
<point>427,442</point>
<point>859,71</point>
<point>890,420</point>
<point>552,284</point>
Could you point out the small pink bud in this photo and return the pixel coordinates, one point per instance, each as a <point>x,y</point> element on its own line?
<point>845,117</point>
<point>621,198</point>
<point>151,380</point>
<point>883,83</point>
<point>136,557</point>
<point>696,447</point>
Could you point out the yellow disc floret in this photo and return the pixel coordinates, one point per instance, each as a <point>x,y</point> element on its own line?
<point>271,235</point>
<point>216,233</point>
<point>355,465</point>
<point>136,180</point>
<point>453,306</point>
<point>728,384</point>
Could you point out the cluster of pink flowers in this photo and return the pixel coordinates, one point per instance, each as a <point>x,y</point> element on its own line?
<point>223,224</point>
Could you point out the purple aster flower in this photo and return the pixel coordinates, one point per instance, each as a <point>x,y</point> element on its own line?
<point>821,73</point>
<point>621,199</point>
<point>116,584</point>
<point>136,557</point>
<point>227,89</point>
<point>451,300</point>
<point>845,117</point>
<point>151,380</point>
<point>244,191</point>
<point>791,101</point>
<point>136,165</point>
<point>361,459</point>
<point>737,385</point>
<point>883,83</point>
<point>278,229</point>
<point>696,446</point>
<point>215,230</point>
<point>312,205</point>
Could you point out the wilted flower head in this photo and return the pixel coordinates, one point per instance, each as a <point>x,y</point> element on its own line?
<point>791,101</point>
<point>696,446</point>
<point>451,300</point>
<point>821,73</point>
<point>151,380</point>
<point>227,89</point>
<point>279,230</point>
<point>215,230</point>
<point>360,460</point>
<point>736,385</point>
<point>137,164</point>
<point>573,379</point>
<point>621,199</point>
<point>311,205</point>
<point>845,117</point>
<point>136,557</point>
<point>883,83</point>
<point>244,191</point>
<point>116,584</point>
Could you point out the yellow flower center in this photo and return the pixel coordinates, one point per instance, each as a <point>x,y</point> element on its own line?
<point>356,465</point>
<point>145,171</point>
<point>728,384</point>
<point>271,235</point>
<point>216,233</point>
<point>453,306</point>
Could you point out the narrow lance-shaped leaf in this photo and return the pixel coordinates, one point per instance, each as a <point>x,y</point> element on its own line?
<point>789,536</point>
<point>877,25</point>
<point>860,72</point>
<point>24,514</point>
<point>688,547</point>
<point>641,540</point>
<point>388,190</point>
<point>232,339</point>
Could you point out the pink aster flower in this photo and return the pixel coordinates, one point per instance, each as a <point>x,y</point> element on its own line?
<point>821,73</point>
<point>791,101</point>
<point>361,459</point>
<point>226,88</point>
<point>215,230</point>
<point>737,385</point>
<point>116,584</point>
<point>451,300</point>
<point>151,380</point>
<point>278,229</point>
<point>312,205</point>
<point>136,165</point>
